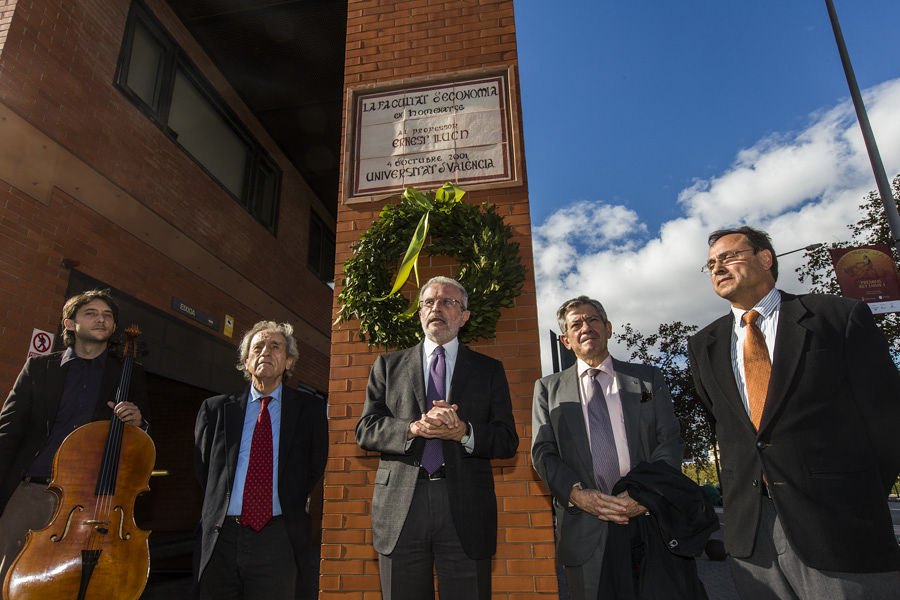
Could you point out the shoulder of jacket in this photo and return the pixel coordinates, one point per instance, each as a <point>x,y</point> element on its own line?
<point>707,330</point>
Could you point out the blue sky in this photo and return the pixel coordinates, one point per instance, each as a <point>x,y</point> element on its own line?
<point>656,122</point>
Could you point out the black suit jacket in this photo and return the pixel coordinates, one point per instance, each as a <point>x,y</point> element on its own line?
<point>30,410</point>
<point>395,397</point>
<point>827,441</point>
<point>561,451</point>
<point>302,453</point>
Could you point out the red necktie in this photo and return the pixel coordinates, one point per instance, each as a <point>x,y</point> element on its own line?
<point>757,367</point>
<point>256,509</point>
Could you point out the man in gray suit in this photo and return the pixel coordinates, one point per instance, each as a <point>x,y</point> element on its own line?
<point>437,413</point>
<point>590,425</point>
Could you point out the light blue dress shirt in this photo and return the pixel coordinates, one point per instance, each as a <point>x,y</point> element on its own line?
<point>240,473</point>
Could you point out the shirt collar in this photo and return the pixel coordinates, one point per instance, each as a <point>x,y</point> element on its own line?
<point>606,366</point>
<point>451,348</point>
<point>69,355</point>
<point>255,394</point>
<point>767,305</point>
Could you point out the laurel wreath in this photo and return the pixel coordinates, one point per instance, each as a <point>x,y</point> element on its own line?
<point>489,266</point>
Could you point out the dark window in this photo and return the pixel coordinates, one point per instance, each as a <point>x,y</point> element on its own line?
<point>157,76</point>
<point>320,258</point>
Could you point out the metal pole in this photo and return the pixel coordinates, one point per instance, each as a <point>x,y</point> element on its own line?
<point>881,180</point>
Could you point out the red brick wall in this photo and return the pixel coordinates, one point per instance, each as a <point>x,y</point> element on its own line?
<point>35,237</point>
<point>56,71</point>
<point>389,40</point>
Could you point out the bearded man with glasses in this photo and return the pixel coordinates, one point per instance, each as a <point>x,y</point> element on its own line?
<point>806,402</point>
<point>438,413</point>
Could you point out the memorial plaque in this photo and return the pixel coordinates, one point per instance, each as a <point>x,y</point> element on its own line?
<point>428,135</point>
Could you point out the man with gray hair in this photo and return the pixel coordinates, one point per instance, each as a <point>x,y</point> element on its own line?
<point>438,413</point>
<point>591,424</point>
<point>258,453</point>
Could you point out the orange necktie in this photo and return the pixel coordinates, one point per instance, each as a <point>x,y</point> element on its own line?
<point>757,367</point>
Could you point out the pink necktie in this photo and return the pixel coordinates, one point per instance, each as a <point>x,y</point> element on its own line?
<point>256,509</point>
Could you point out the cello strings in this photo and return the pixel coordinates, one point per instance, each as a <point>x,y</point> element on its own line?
<point>109,466</point>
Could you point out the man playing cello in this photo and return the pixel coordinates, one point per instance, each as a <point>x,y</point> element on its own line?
<point>54,395</point>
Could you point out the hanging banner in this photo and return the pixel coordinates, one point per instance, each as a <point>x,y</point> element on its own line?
<point>868,273</point>
<point>425,136</point>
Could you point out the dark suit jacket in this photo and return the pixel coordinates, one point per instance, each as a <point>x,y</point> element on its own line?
<point>561,452</point>
<point>302,453</point>
<point>30,411</point>
<point>395,397</point>
<point>827,441</point>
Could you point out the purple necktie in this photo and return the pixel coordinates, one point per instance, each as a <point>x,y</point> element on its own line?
<point>433,455</point>
<point>603,444</point>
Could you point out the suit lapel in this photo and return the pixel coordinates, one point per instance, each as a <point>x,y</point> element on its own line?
<point>630,397</point>
<point>789,342</point>
<point>461,371</point>
<point>234,425</point>
<point>56,379</point>
<point>290,411</point>
<point>569,399</point>
<point>718,351</point>
<point>414,369</point>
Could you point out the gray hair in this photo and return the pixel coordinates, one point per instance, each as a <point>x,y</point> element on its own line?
<point>440,279</point>
<point>287,332</point>
<point>573,303</point>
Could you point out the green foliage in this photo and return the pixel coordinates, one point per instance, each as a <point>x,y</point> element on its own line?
<point>667,349</point>
<point>490,268</point>
<point>871,228</point>
<point>703,474</point>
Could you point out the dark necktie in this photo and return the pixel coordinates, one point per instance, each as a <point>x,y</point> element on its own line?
<point>256,509</point>
<point>757,366</point>
<point>433,455</point>
<point>603,444</point>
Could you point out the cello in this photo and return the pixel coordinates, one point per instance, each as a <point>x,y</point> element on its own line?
<point>92,549</point>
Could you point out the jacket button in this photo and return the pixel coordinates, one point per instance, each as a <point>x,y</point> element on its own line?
<point>760,445</point>
<point>756,483</point>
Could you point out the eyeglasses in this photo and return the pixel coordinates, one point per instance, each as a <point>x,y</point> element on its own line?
<point>726,258</point>
<point>430,303</point>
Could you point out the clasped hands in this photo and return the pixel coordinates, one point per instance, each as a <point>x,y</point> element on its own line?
<point>440,422</point>
<point>616,509</point>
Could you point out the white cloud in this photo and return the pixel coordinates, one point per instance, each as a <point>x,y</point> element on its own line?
<point>802,187</point>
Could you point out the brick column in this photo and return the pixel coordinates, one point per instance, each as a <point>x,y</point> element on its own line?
<point>390,40</point>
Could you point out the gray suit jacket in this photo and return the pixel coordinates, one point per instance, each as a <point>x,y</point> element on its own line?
<point>561,451</point>
<point>395,397</point>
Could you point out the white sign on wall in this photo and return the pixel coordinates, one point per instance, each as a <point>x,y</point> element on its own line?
<point>422,136</point>
<point>41,343</point>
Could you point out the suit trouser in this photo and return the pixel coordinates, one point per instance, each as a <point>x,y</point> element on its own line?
<point>428,542</point>
<point>31,506</point>
<point>250,565</point>
<point>607,574</point>
<point>775,572</point>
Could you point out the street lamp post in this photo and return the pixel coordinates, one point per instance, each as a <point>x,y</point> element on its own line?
<point>810,247</point>
<point>881,180</point>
